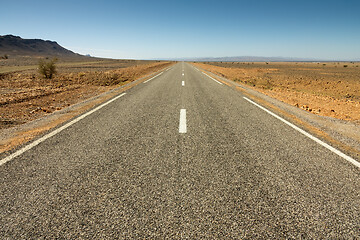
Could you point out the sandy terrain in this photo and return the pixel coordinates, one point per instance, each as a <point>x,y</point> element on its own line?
<point>327,89</point>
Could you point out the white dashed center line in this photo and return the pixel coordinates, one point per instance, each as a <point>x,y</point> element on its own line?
<point>182,123</point>
<point>183,83</point>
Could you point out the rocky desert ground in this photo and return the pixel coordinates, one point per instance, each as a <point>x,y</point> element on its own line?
<point>324,88</point>
<point>25,95</point>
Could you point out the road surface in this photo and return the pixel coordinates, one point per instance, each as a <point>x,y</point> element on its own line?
<point>179,156</point>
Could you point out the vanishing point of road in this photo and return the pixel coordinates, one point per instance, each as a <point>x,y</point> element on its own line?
<point>178,156</point>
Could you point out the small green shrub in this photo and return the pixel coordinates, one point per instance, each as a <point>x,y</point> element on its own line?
<point>47,68</point>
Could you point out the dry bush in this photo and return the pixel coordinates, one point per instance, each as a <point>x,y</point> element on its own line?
<point>47,68</point>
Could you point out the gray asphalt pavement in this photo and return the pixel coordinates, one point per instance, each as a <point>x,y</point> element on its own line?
<point>125,172</point>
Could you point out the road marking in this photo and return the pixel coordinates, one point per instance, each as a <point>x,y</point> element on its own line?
<point>196,69</point>
<point>182,123</point>
<point>183,74</point>
<point>334,150</point>
<point>153,77</point>
<point>183,83</point>
<point>56,131</point>
<point>213,79</point>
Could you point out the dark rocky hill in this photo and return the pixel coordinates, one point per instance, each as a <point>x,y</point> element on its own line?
<point>16,46</point>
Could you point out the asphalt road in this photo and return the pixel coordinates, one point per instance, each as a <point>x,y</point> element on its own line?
<point>142,168</point>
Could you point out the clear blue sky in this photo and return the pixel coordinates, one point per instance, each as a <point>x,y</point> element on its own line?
<point>325,29</point>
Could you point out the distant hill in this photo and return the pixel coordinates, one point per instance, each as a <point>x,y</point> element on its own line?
<point>247,59</point>
<point>17,46</point>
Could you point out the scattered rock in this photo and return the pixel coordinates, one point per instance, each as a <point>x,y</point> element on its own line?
<point>41,109</point>
<point>46,110</point>
<point>306,107</point>
<point>35,110</point>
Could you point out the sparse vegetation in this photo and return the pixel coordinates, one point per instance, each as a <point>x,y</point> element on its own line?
<point>4,57</point>
<point>47,68</point>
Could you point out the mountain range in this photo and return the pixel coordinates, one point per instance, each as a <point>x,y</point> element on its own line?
<point>16,46</point>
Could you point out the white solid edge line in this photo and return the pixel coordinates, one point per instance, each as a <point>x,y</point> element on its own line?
<point>213,79</point>
<point>183,83</point>
<point>56,131</point>
<point>153,77</point>
<point>334,150</point>
<point>182,123</point>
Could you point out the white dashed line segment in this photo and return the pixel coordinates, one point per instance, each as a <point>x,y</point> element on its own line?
<point>182,123</point>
